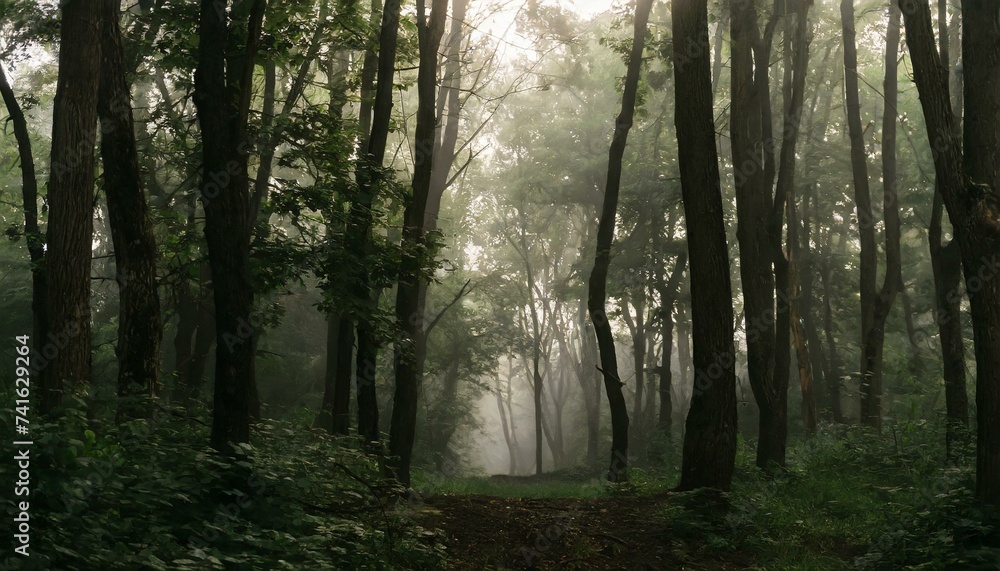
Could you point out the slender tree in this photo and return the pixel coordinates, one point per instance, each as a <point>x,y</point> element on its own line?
<point>29,199</point>
<point>409,313</point>
<point>873,338</point>
<point>597,285</point>
<point>223,80</point>
<point>361,219</point>
<point>139,327</point>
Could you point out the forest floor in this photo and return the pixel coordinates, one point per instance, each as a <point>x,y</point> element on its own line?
<point>618,531</point>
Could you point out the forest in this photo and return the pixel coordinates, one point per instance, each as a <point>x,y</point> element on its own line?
<point>500,284</point>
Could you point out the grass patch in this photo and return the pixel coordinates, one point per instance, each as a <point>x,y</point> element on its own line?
<point>559,484</point>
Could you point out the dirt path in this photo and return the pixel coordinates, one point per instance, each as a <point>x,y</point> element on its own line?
<point>487,532</point>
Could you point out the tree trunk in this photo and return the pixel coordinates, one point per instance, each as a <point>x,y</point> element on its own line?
<point>139,327</point>
<point>668,297</point>
<point>748,123</point>
<point>874,339</point>
<point>222,98</point>
<point>946,262</point>
<point>709,454</point>
<point>979,235</point>
<point>71,198</point>
<point>968,186</point>
<point>598,283</point>
<point>409,313</point>
<point>870,405</point>
<point>359,229</point>
<point>29,198</point>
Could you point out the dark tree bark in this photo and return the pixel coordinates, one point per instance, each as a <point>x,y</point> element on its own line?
<point>32,234</point>
<point>946,262</point>
<point>709,454</point>
<point>359,227</point>
<point>797,66</point>
<point>870,402</point>
<point>223,79</point>
<point>754,176</point>
<point>139,327</point>
<point>339,329</point>
<point>874,338</point>
<point>71,198</point>
<point>968,185</point>
<point>598,283</point>
<point>764,267</point>
<point>409,313</point>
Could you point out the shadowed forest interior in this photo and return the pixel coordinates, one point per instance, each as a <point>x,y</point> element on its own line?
<point>470,284</point>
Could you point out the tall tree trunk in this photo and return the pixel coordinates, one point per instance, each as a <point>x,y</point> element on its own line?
<point>709,455</point>
<point>946,261</point>
<point>870,411</point>
<point>409,312</point>
<point>980,227</point>
<point>139,327</point>
<point>749,120</point>
<point>598,283</point>
<point>71,198</point>
<point>784,196</point>
<point>361,219</point>
<point>797,65</point>
<point>337,372</point>
<point>874,339</point>
<point>449,109</point>
<point>223,79</point>
<point>968,185</point>
<point>29,198</point>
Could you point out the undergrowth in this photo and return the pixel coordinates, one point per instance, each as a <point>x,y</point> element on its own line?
<point>150,494</point>
<point>847,500</point>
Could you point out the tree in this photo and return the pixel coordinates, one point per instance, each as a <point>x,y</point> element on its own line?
<point>765,269</point>
<point>873,338</point>
<point>359,228</point>
<point>71,198</point>
<point>968,186</point>
<point>709,454</point>
<point>597,285</point>
<point>29,198</point>
<point>223,79</point>
<point>946,263</point>
<point>409,314</point>
<point>139,327</point>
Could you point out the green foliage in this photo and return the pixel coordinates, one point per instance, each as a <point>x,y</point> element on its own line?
<point>148,495</point>
<point>848,499</point>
